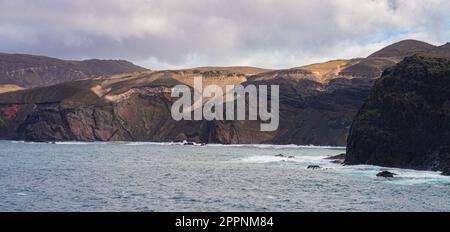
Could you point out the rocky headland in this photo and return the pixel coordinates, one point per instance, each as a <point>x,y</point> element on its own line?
<point>405,122</point>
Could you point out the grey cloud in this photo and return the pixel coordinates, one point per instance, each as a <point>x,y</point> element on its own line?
<point>183,33</point>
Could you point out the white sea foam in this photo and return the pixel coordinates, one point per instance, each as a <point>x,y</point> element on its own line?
<point>78,143</point>
<point>151,143</point>
<point>97,143</point>
<point>276,146</point>
<point>273,158</point>
<point>404,176</point>
<point>55,143</point>
<point>268,146</point>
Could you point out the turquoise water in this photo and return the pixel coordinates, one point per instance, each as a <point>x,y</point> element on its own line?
<point>167,177</point>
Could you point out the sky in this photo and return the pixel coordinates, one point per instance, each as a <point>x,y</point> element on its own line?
<point>172,34</point>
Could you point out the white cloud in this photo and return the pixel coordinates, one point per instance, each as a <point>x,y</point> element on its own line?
<point>185,33</point>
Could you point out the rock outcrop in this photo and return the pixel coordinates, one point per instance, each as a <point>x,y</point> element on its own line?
<point>313,167</point>
<point>405,121</point>
<point>386,174</point>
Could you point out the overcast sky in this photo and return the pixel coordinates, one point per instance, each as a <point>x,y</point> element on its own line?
<point>167,34</point>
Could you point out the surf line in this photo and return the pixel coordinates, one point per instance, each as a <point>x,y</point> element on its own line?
<point>213,109</point>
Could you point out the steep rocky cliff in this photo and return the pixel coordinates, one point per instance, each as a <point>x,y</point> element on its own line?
<point>405,122</point>
<point>136,107</point>
<point>317,104</point>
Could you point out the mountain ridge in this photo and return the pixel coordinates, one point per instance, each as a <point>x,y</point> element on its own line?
<point>35,71</point>
<point>403,49</point>
<point>317,105</point>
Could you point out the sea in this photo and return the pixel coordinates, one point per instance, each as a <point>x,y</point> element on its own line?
<point>166,177</point>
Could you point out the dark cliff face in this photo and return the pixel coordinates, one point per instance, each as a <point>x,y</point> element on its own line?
<point>33,71</point>
<point>405,121</point>
<point>137,108</point>
<point>311,113</point>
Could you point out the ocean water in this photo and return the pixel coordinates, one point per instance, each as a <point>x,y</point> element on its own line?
<point>167,177</point>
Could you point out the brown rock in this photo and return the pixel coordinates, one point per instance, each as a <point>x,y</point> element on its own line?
<point>180,138</point>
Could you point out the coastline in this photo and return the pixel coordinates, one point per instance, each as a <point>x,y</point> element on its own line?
<point>136,143</point>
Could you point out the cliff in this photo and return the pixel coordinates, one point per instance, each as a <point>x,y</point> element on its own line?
<point>136,107</point>
<point>405,121</point>
<point>317,104</point>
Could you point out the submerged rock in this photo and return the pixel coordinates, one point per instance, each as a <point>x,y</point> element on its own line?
<point>314,167</point>
<point>279,155</point>
<point>337,161</point>
<point>337,157</point>
<point>386,174</point>
<point>291,157</point>
<point>194,144</point>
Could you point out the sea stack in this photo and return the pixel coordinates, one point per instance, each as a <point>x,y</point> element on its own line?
<point>405,121</point>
